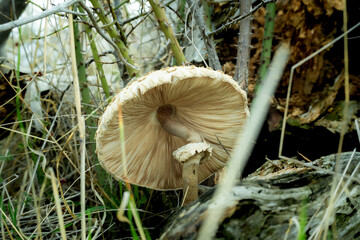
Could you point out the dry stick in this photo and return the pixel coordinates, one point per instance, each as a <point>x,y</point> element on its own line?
<point>214,61</point>
<point>37,204</point>
<point>237,19</point>
<point>246,142</point>
<point>243,53</point>
<point>11,223</point>
<point>57,203</point>
<point>81,124</point>
<point>22,21</point>
<point>118,44</point>
<point>188,38</point>
<point>26,134</point>
<point>168,31</point>
<point>82,181</point>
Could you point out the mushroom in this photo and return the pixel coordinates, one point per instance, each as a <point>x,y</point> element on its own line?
<point>179,125</point>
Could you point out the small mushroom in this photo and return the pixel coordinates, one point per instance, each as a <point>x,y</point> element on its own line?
<point>191,155</point>
<point>179,122</point>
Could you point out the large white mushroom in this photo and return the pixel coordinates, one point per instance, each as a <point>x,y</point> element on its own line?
<point>179,123</point>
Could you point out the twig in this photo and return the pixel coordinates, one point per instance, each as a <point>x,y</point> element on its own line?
<point>140,22</point>
<point>98,29</point>
<point>53,10</point>
<point>330,213</point>
<point>12,224</point>
<point>214,61</point>
<point>87,64</point>
<point>57,203</point>
<point>237,19</point>
<point>168,31</point>
<point>222,146</point>
<point>117,15</point>
<point>122,23</point>
<point>243,52</point>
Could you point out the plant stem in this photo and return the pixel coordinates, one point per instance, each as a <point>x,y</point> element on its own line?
<point>267,43</point>
<point>243,53</point>
<point>95,53</point>
<point>168,31</point>
<point>214,61</point>
<point>85,92</point>
<point>111,30</point>
<point>86,99</point>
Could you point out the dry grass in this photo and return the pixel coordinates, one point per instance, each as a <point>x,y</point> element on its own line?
<point>49,185</point>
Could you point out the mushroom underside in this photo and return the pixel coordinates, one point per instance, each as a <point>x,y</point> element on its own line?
<point>216,114</point>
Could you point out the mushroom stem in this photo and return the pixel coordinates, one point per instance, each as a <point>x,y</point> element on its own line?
<point>180,130</point>
<point>165,116</point>
<point>176,128</point>
<point>190,178</point>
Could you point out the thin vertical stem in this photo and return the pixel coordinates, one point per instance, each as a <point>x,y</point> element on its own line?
<point>168,31</point>
<point>243,53</point>
<point>81,124</point>
<point>267,42</point>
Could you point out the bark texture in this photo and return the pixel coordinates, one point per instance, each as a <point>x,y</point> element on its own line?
<point>267,204</point>
<point>243,52</point>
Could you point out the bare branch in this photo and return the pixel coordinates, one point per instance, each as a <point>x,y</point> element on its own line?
<point>243,52</point>
<point>59,8</point>
<point>98,29</point>
<point>214,61</point>
<point>242,16</point>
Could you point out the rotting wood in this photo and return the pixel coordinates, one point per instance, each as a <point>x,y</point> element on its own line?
<point>265,204</point>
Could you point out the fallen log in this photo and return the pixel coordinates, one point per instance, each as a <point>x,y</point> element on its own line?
<point>280,200</point>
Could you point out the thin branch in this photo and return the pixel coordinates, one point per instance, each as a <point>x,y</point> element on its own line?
<point>122,23</point>
<point>22,21</point>
<point>98,29</point>
<point>243,52</point>
<point>87,64</point>
<point>168,31</point>
<point>214,61</point>
<point>114,39</point>
<point>140,22</point>
<point>237,19</point>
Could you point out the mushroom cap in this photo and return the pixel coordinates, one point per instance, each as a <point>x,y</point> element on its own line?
<point>189,150</point>
<point>206,101</point>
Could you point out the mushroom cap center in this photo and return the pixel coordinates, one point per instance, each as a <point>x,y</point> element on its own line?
<point>165,115</point>
<point>165,112</point>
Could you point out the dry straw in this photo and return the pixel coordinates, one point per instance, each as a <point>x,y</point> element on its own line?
<point>81,124</point>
